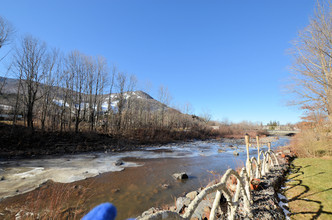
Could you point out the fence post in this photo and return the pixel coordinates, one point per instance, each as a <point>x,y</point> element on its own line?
<point>257,140</point>
<point>259,166</point>
<point>248,165</point>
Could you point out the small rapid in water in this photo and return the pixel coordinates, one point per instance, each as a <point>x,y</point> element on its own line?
<point>143,180</point>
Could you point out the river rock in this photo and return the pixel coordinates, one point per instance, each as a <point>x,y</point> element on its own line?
<point>118,163</point>
<point>235,153</point>
<point>115,190</point>
<point>202,207</point>
<point>165,186</point>
<point>220,151</point>
<point>149,212</point>
<point>192,195</point>
<point>172,208</point>
<point>2,178</point>
<point>180,176</point>
<point>77,187</point>
<point>206,213</point>
<point>182,203</point>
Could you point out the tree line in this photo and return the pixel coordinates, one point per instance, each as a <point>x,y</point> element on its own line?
<point>78,92</point>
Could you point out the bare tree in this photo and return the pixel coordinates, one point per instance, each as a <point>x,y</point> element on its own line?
<point>121,83</point>
<point>65,108</point>
<point>47,90</point>
<point>28,61</point>
<point>128,116</point>
<point>90,71</point>
<point>206,116</point>
<point>109,113</point>
<point>101,74</point>
<point>165,98</point>
<point>55,108</point>
<point>3,79</point>
<point>76,68</point>
<point>18,96</point>
<point>6,35</point>
<point>312,67</point>
<point>6,32</point>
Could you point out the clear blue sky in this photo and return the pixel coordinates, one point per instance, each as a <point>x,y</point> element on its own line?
<point>228,57</point>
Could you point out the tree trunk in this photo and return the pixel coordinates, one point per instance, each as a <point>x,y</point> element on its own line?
<point>30,116</point>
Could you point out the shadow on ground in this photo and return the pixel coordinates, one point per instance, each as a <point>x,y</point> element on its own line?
<point>299,193</point>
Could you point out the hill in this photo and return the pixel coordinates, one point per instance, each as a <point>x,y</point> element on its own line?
<point>9,88</point>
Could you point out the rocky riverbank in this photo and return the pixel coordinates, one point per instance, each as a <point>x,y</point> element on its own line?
<point>265,200</point>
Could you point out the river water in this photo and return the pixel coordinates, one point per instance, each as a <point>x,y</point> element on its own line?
<point>83,181</point>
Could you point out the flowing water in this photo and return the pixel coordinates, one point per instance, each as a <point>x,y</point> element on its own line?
<point>144,179</point>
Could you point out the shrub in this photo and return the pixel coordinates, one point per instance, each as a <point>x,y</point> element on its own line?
<point>313,141</point>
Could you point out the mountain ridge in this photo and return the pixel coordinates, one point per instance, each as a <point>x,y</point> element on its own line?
<point>9,88</point>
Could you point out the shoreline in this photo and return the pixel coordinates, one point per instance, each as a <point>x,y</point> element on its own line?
<point>146,187</point>
<point>55,150</point>
<point>21,143</point>
<point>26,167</point>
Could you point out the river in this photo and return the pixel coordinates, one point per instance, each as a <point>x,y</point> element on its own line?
<point>82,181</point>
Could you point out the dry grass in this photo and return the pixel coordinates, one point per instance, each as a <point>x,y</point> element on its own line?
<point>55,201</point>
<point>313,142</point>
<point>238,131</point>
